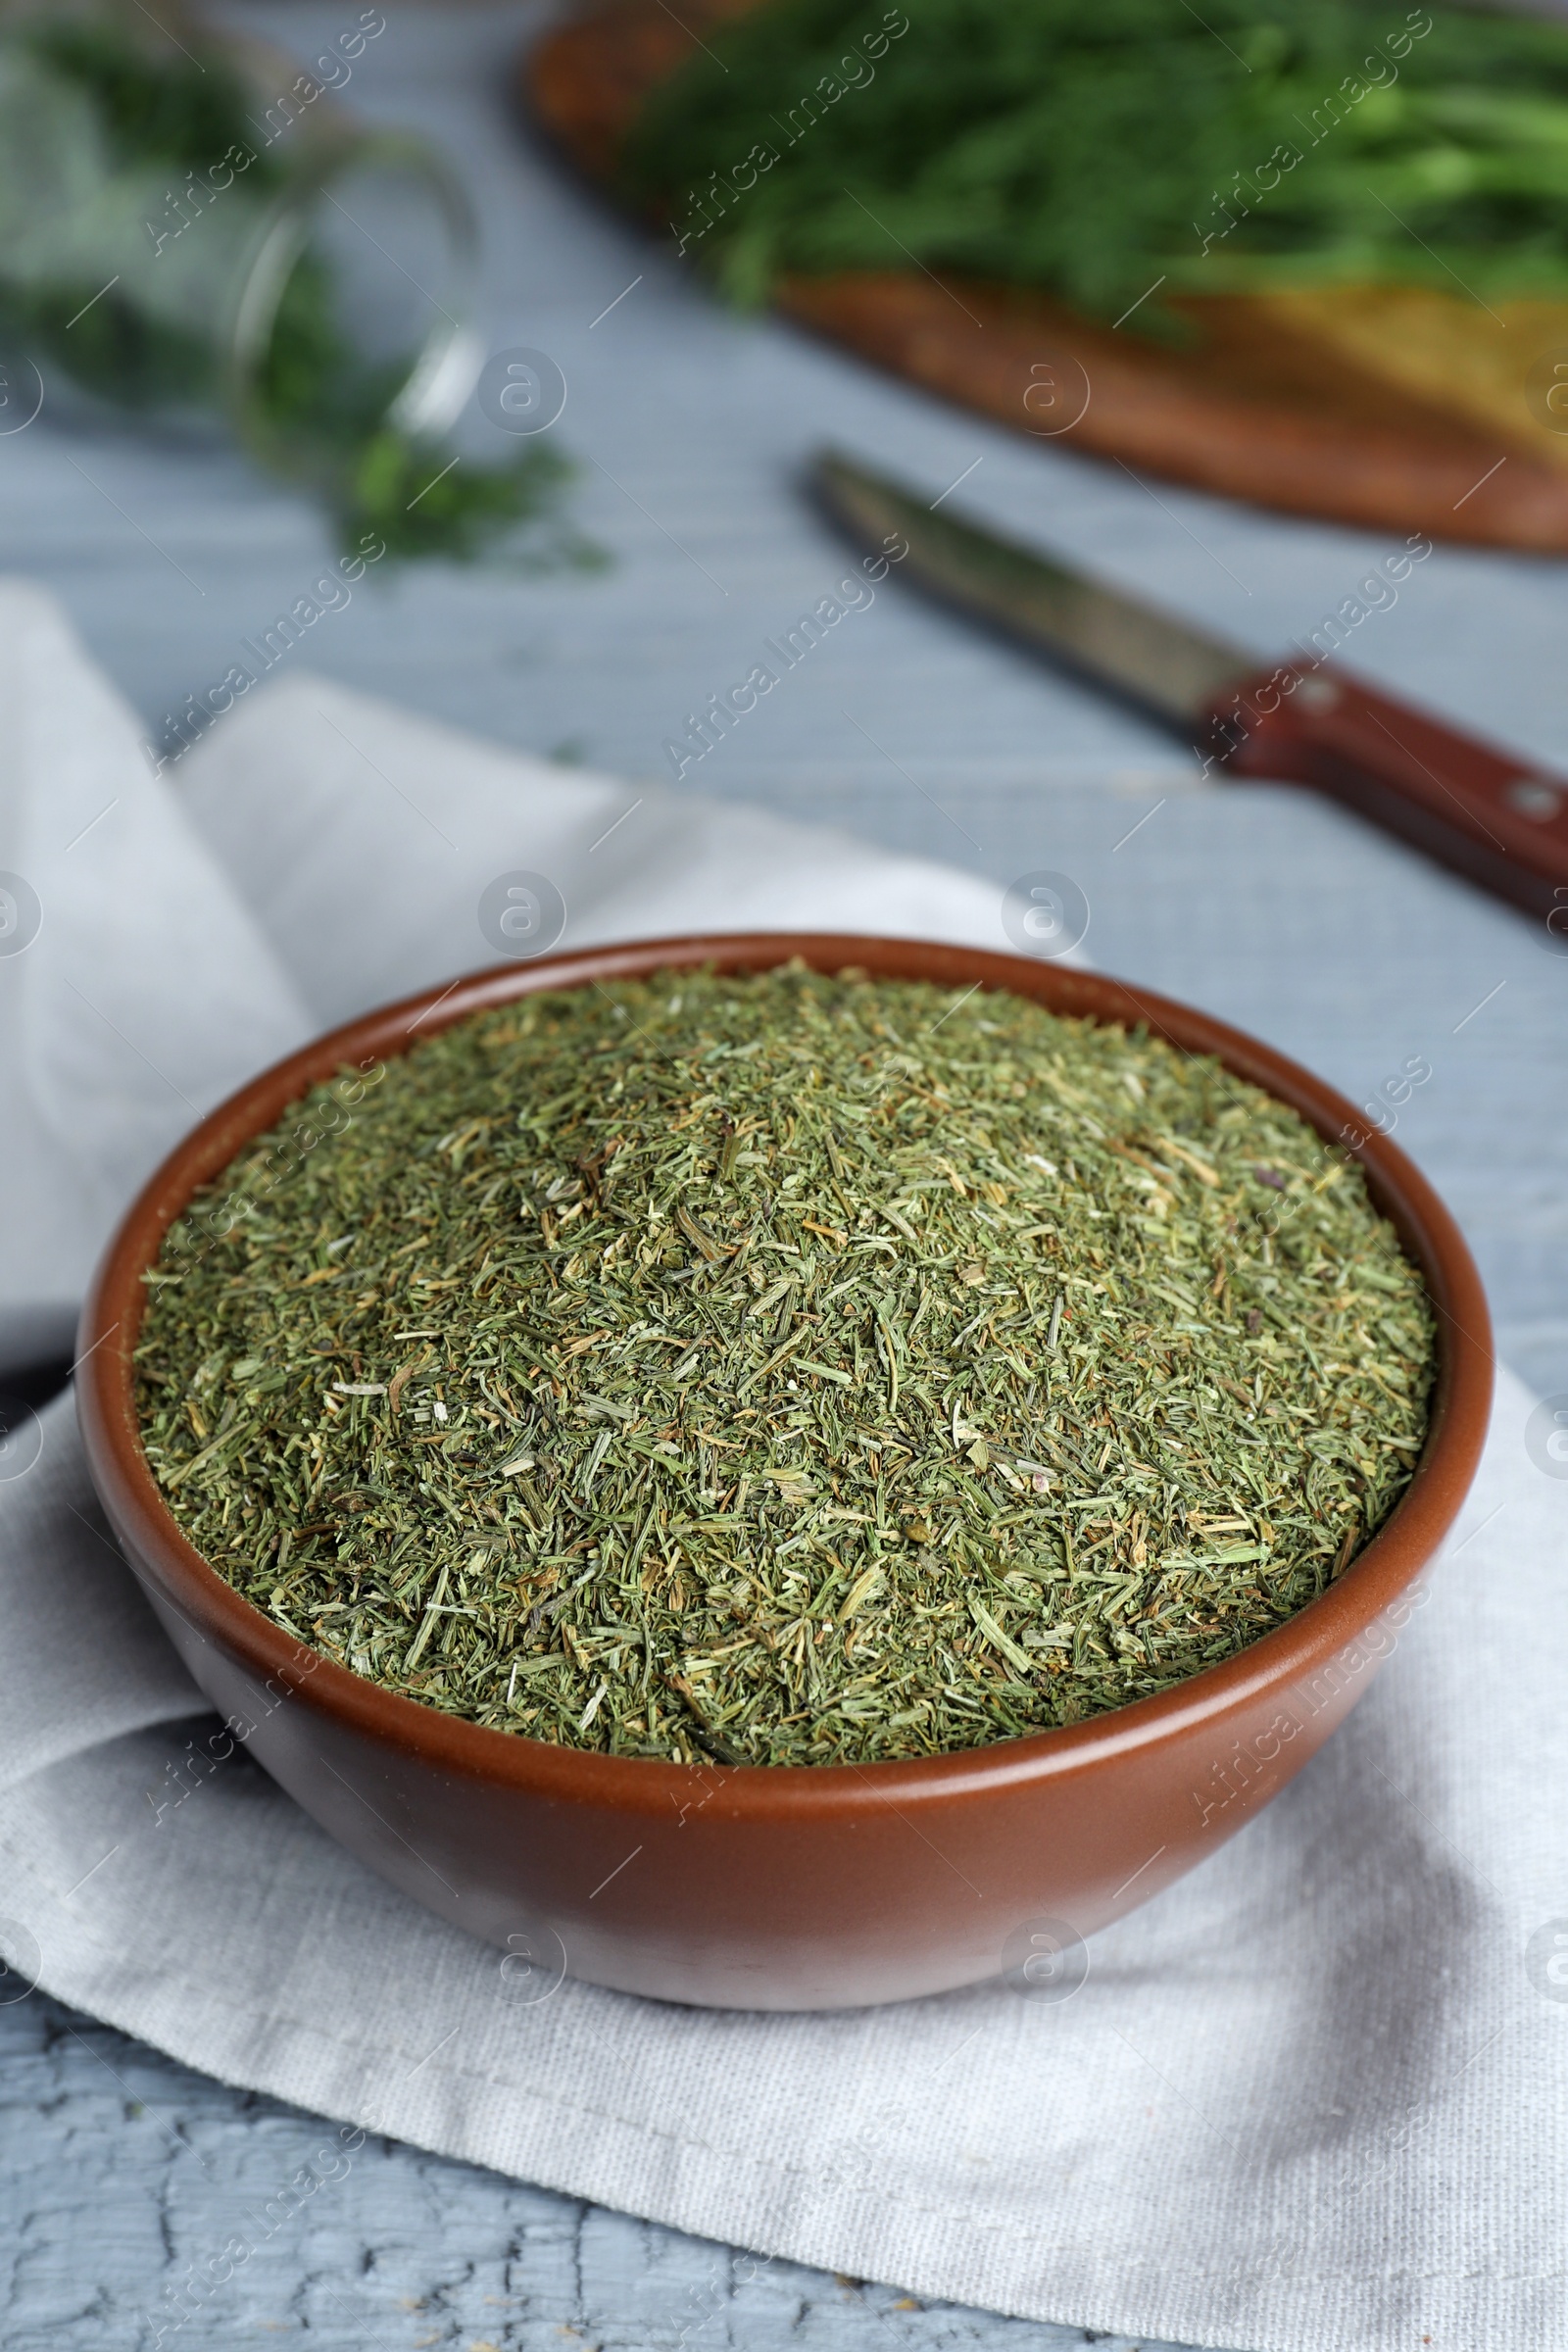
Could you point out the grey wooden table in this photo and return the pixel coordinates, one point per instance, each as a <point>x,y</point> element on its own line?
<point>1272,909</point>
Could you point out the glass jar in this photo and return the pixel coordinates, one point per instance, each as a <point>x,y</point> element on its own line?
<point>195,233</point>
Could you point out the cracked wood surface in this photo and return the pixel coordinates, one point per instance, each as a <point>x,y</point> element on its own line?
<point>121,2172</point>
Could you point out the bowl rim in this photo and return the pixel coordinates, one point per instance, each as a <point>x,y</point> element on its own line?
<point>1289,1654</point>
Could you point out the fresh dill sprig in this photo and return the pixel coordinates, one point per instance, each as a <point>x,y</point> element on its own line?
<point>1092,151</point>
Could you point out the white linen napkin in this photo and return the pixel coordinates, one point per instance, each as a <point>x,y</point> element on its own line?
<point>1308,2100</point>
<point>177,926</point>
<point>134,990</point>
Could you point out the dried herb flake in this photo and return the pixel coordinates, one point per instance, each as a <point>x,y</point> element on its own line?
<point>786,1369</point>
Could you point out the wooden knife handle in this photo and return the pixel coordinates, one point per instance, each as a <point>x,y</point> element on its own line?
<point>1497,820</point>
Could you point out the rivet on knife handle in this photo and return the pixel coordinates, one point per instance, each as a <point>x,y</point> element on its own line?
<point>1488,817</point>
<point>1491,817</point>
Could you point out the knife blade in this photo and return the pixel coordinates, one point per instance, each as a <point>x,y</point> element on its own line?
<point>1475,808</point>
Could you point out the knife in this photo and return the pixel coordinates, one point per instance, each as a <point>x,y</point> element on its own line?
<point>1492,817</point>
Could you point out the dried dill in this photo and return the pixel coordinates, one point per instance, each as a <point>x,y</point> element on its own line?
<point>785,1369</point>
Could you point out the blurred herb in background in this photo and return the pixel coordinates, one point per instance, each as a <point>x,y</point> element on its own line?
<point>420,502</point>
<point>1092,151</point>
<point>142,201</point>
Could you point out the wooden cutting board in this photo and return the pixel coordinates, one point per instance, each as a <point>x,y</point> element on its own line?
<point>1402,410</point>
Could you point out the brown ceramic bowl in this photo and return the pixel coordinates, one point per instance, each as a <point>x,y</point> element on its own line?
<point>766,1887</point>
